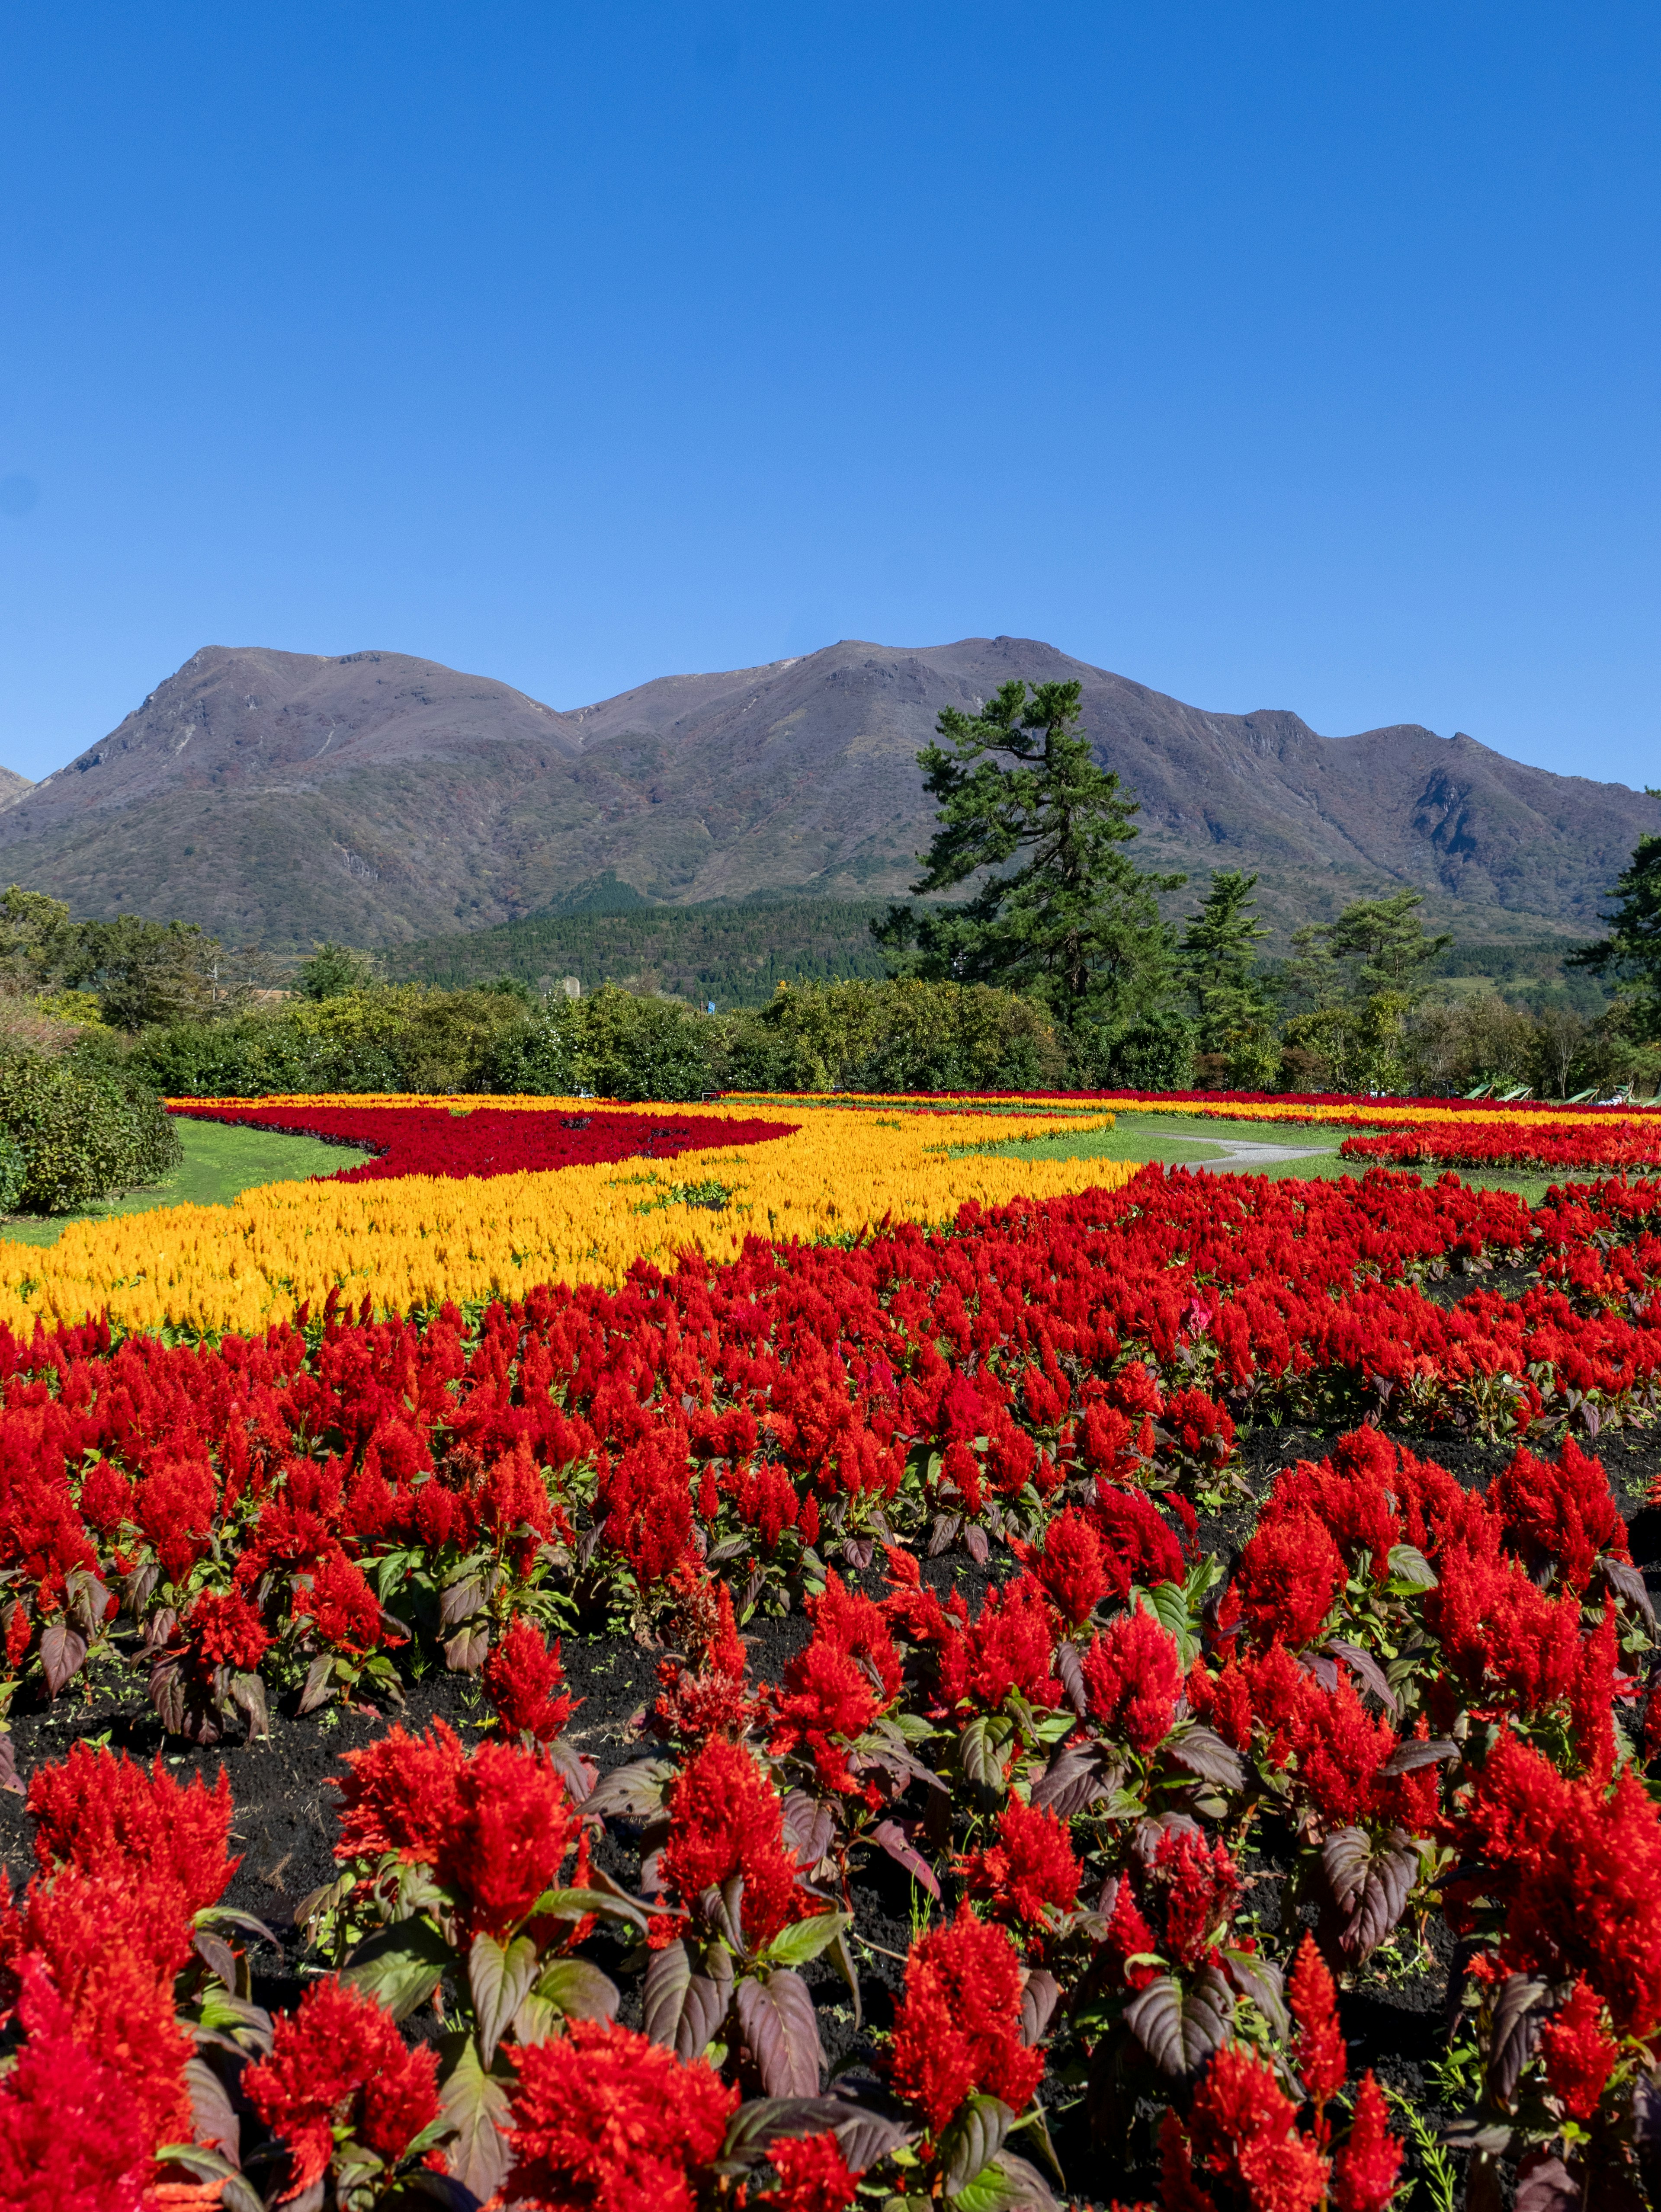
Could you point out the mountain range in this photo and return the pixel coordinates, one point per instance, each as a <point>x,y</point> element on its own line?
<point>375,798</point>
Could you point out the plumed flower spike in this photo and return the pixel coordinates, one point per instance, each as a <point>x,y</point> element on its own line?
<point>1580,2052</point>
<point>957,2026</point>
<point>495,1827</point>
<point>813,2176</point>
<point>100,1813</point>
<point>1365,2171</point>
<point>526,1685</point>
<point>604,2120</point>
<point>1320,2045</point>
<point>1029,1872</point>
<point>1134,1676</point>
<point>1242,2128</point>
<point>341,2061</point>
<point>725,1818</point>
<point>72,2134</point>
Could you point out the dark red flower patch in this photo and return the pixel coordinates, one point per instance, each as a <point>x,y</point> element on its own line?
<point>489,1140</point>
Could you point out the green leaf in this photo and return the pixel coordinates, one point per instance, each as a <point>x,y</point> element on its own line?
<point>1168,1603</point>
<point>805,1939</point>
<point>1410,1568</point>
<point>974,2140</point>
<point>400,1967</point>
<point>578,1989</point>
<point>475,2109</point>
<point>573,1903</point>
<point>500,1976</point>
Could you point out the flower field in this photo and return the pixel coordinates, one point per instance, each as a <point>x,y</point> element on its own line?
<point>806,1665</point>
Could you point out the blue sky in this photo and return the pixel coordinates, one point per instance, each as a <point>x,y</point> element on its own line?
<point>1273,356</point>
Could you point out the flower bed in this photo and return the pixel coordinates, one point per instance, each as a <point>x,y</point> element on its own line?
<point>1420,1698</point>
<point>415,1241</point>
<point>1530,1146</point>
<point>462,1142</point>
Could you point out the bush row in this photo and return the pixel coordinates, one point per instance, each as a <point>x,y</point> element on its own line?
<point>857,1035</point>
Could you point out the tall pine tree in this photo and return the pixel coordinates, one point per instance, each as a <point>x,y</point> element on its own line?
<point>1218,960</point>
<point>1073,922</point>
<point>1632,950</point>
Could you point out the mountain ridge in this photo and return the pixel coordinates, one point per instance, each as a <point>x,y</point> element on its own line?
<point>379,797</point>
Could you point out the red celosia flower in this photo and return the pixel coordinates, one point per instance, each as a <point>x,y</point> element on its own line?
<point>1029,1869</point>
<point>226,1631</point>
<point>725,1818</point>
<point>603,2119</point>
<point>398,1795</point>
<point>102,1813</point>
<point>1365,2169</point>
<point>1578,2050</point>
<point>174,1505</point>
<point>1134,1677</point>
<point>1320,2045</point>
<point>1071,1569</point>
<point>1129,1936</point>
<point>495,1827</point>
<point>1288,1577</point>
<point>1582,1871</point>
<point>1565,1512</point>
<point>1242,2125</point>
<point>827,1694</point>
<point>341,1605</point>
<point>713,1697</point>
<point>1009,1648</point>
<point>340,2062</point>
<point>857,1625</point>
<point>813,2177</point>
<point>1136,1545</point>
<point>1591,1697</point>
<point>111,1945</point>
<point>106,1499</point>
<point>72,2134</point>
<point>1504,1637</point>
<point>956,2025</point>
<point>1197,1886</point>
<point>520,1679</point>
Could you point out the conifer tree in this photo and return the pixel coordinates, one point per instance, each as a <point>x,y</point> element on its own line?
<point>1073,922</point>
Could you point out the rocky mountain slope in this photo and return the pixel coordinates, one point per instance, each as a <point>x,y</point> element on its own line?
<point>281,798</point>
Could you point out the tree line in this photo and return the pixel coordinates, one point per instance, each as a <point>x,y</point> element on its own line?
<point>1063,915</point>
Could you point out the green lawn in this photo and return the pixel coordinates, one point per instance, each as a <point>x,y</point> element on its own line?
<point>219,1162</point>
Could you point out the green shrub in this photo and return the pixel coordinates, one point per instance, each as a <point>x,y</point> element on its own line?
<point>83,1131</point>
<point>903,1036</point>
<point>636,1047</point>
<point>1155,1053</point>
<point>14,1172</point>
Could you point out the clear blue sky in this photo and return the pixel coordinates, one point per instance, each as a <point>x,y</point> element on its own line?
<point>1272,354</point>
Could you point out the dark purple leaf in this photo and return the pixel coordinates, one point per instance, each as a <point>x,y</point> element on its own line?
<point>1039,1999</point>
<point>318,1690</point>
<point>212,2112</point>
<point>766,2120</point>
<point>468,1648</point>
<point>1369,1883</point>
<point>892,1838</point>
<point>974,1543</point>
<point>1179,2029</point>
<point>460,1600</point>
<point>1517,2022</point>
<point>1076,1776</point>
<point>1199,1751</point>
<point>1544,2184</point>
<point>1363,1664</point>
<point>166,1694</point>
<point>1069,1672</point>
<point>943,1534</point>
<point>62,1654</point>
<point>634,1792</point>
<point>1415,1752</point>
<point>8,1778</point>
<point>782,2034</point>
<point>1627,1582</point>
<point>217,1956</point>
<point>810,1828</point>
